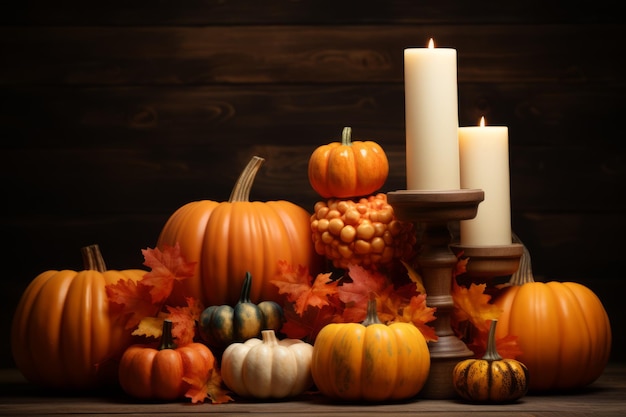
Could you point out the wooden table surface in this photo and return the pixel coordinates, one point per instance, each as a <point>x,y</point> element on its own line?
<point>605,397</point>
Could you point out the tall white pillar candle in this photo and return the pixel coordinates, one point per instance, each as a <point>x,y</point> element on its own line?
<point>484,162</point>
<point>431,117</point>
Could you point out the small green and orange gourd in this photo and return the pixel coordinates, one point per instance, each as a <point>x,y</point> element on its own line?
<point>222,325</point>
<point>490,379</point>
<point>370,361</point>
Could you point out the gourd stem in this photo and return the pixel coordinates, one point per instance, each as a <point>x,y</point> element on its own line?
<point>524,272</point>
<point>167,340</point>
<point>92,258</point>
<point>491,354</point>
<point>241,190</point>
<point>244,297</point>
<point>372,314</point>
<point>269,337</point>
<point>346,136</point>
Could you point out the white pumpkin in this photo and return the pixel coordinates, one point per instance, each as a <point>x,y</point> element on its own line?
<point>268,368</point>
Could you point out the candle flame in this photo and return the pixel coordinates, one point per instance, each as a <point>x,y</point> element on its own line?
<point>431,43</point>
<point>482,121</point>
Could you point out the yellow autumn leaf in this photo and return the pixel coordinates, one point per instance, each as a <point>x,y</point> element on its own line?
<point>415,277</point>
<point>150,327</point>
<point>473,304</point>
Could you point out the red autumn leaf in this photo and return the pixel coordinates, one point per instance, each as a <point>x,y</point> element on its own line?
<point>296,283</point>
<point>290,281</point>
<point>184,321</point>
<point>309,324</point>
<point>208,386</point>
<point>130,301</point>
<point>167,267</point>
<point>364,282</point>
<point>506,346</point>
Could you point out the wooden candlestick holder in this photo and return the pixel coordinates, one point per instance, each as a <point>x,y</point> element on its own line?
<point>488,262</point>
<point>435,210</point>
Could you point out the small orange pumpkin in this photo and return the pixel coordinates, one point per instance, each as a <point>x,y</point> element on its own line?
<point>62,336</point>
<point>159,373</point>
<point>229,239</point>
<point>370,361</point>
<point>348,169</point>
<point>563,330</point>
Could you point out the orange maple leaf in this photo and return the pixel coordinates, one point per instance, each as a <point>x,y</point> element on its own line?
<point>130,301</point>
<point>296,283</point>
<point>167,267</point>
<point>363,282</point>
<point>208,386</point>
<point>472,304</point>
<point>309,324</point>
<point>184,321</point>
<point>418,313</point>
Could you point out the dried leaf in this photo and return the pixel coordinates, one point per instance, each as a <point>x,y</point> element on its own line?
<point>150,327</point>
<point>208,386</point>
<point>184,321</point>
<point>296,283</point>
<point>418,313</point>
<point>167,267</point>
<point>130,301</point>
<point>415,277</point>
<point>473,304</point>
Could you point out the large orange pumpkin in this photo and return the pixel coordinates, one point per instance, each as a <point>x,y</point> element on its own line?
<point>62,336</point>
<point>229,239</point>
<point>563,330</point>
<point>348,168</point>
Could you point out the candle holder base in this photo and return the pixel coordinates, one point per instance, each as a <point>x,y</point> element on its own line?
<point>487,262</point>
<point>435,209</point>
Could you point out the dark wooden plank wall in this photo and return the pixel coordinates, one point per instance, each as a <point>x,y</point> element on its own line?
<point>115,113</point>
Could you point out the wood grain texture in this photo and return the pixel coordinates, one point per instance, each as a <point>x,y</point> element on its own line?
<point>602,398</point>
<point>115,113</point>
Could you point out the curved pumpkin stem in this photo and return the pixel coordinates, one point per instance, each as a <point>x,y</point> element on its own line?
<point>524,273</point>
<point>372,313</point>
<point>241,190</point>
<point>167,340</point>
<point>92,258</point>
<point>244,297</point>
<point>491,354</point>
<point>346,136</point>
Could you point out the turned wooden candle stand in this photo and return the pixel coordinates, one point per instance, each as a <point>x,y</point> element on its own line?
<point>434,210</point>
<point>488,262</point>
